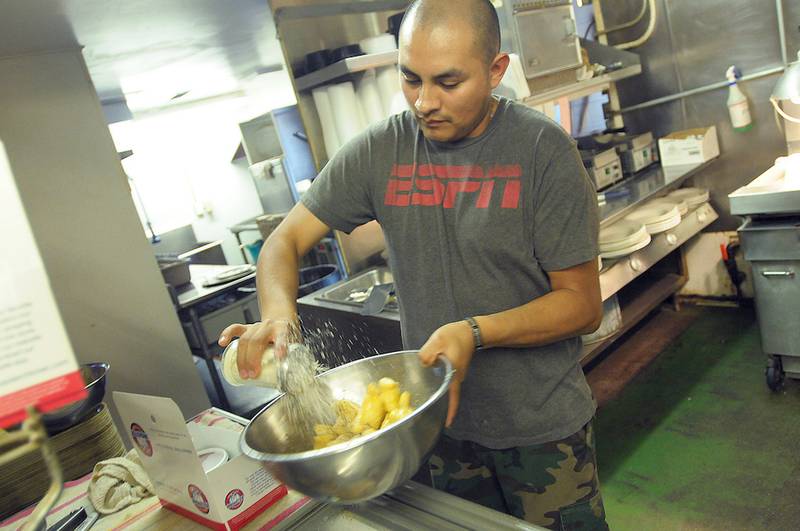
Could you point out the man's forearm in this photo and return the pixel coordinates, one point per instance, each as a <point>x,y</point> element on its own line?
<point>560,314</point>
<point>277,279</point>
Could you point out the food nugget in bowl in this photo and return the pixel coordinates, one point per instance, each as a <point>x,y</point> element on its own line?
<point>367,465</point>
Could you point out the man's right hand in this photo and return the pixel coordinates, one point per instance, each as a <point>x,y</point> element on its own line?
<point>276,280</point>
<point>255,339</point>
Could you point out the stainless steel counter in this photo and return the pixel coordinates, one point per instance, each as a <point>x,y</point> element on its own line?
<point>411,506</point>
<point>334,297</point>
<point>195,293</point>
<point>643,186</point>
<point>340,329</point>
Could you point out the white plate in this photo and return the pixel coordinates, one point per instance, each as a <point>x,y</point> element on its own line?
<point>610,247</point>
<point>683,206</point>
<point>621,231</point>
<point>625,252</point>
<point>212,458</point>
<point>657,228</point>
<point>692,196</point>
<point>653,213</point>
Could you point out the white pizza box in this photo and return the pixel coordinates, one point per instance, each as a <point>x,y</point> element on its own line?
<point>225,498</point>
<point>690,146</point>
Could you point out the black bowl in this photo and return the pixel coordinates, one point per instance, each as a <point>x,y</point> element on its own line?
<point>351,50</point>
<point>94,378</point>
<point>316,60</point>
<point>394,24</point>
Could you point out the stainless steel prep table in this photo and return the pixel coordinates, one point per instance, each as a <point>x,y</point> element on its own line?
<point>410,507</point>
<point>202,320</point>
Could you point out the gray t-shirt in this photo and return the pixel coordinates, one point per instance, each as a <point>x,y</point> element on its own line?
<point>472,227</point>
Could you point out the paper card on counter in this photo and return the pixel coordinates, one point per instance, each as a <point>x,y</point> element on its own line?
<point>37,364</point>
<point>227,497</point>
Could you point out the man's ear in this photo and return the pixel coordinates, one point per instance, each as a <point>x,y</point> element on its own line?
<point>498,69</point>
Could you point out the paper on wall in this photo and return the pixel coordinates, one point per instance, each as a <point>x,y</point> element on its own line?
<point>37,364</point>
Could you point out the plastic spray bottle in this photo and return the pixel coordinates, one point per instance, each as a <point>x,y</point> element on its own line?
<point>738,107</point>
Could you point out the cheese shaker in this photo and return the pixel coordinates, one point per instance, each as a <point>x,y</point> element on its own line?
<point>275,372</point>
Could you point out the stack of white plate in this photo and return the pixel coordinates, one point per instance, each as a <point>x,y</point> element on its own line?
<point>657,217</point>
<point>693,196</point>
<point>683,206</point>
<point>622,238</point>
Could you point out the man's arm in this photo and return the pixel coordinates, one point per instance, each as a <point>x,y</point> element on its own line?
<point>279,260</point>
<point>277,282</point>
<point>573,307</point>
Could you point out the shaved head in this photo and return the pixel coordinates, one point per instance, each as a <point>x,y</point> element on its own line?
<point>478,15</point>
<point>450,61</point>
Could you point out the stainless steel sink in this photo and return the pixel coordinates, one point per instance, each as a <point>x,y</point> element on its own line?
<point>355,290</point>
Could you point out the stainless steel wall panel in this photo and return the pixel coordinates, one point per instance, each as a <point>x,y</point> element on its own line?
<point>791,14</point>
<point>711,35</point>
<point>657,56</point>
<point>692,46</point>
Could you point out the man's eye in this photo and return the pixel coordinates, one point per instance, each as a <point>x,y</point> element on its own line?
<point>451,85</point>
<point>411,81</point>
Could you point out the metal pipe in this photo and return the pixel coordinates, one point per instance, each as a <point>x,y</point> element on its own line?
<point>651,26</point>
<point>782,31</point>
<point>626,25</point>
<point>699,90</point>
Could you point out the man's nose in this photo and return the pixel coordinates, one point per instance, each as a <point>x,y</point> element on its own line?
<point>426,101</point>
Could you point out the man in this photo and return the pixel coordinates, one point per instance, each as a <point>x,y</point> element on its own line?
<point>491,226</point>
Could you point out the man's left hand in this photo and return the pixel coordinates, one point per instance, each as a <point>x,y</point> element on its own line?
<point>453,341</point>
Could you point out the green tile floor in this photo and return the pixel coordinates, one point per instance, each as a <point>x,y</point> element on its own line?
<point>697,440</point>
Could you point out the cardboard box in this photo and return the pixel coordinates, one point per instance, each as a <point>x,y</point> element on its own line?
<point>691,146</point>
<point>227,497</point>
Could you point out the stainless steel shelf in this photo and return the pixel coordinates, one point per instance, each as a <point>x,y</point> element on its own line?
<point>334,9</point>
<point>344,67</point>
<point>621,271</point>
<point>584,88</point>
<point>644,186</point>
<point>636,310</point>
<point>598,54</point>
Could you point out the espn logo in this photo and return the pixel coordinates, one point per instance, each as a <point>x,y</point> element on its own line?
<point>438,184</point>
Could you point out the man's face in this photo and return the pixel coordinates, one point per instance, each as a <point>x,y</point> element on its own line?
<point>445,79</point>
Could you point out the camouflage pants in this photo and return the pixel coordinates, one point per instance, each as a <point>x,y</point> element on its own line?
<point>553,485</point>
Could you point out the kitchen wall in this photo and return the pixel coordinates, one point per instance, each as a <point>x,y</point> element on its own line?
<point>693,44</point>
<point>182,164</point>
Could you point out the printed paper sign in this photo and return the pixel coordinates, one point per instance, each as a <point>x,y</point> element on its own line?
<point>37,364</point>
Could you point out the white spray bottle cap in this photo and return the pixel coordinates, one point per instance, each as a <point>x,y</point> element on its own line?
<point>733,73</point>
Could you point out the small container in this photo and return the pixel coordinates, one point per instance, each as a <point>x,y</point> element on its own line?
<point>275,373</point>
<point>230,368</point>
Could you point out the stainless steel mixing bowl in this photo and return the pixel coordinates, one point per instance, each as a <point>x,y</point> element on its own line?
<point>367,466</point>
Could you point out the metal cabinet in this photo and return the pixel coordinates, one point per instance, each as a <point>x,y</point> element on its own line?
<point>773,249</point>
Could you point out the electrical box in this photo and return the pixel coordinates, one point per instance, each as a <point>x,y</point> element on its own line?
<point>543,34</point>
<point>260,139</point>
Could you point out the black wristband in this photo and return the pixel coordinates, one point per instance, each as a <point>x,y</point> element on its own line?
<point>476,332</point>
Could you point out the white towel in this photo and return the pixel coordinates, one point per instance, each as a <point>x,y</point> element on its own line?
<point>119,482</point>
